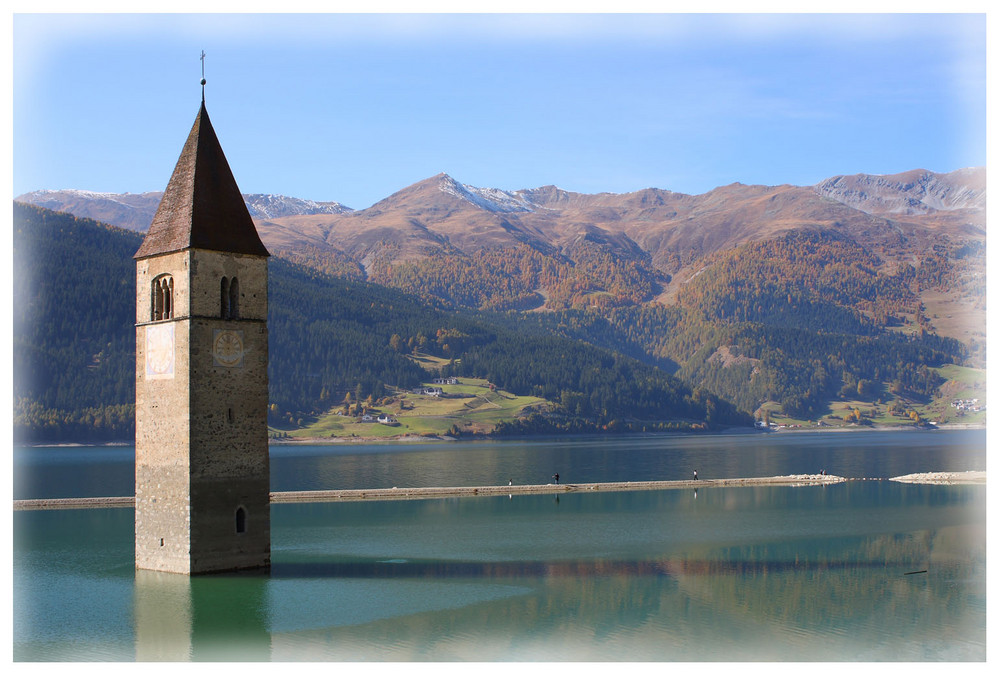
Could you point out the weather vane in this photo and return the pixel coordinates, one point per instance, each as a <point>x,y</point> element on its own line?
<point>203,75</point>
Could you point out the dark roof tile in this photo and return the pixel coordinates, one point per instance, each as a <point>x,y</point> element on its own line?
<point>202,207</point>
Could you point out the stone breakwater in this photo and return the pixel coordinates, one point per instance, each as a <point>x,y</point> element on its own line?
<point>354,495</point>
<point>947,478</point>
<point>74,503</point>
<point>607,487</point>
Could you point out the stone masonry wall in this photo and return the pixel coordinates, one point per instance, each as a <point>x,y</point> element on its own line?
<point>203,431</point>
<point>162,429</point>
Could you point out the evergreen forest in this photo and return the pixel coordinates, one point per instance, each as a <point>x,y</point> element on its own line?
<point>329,337</point>
<point>802,319</point>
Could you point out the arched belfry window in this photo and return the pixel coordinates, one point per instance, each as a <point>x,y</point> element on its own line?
<point>229,291</point>
<point>241,520</point>
<point>162,298</point>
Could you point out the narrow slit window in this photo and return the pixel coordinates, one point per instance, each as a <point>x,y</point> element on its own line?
<point>234,299</point>
<point>224,312</point>
<point>156,306</point>
<point>168,297</point>
<point>241,520</point>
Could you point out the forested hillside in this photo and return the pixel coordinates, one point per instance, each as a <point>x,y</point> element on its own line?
<point>74,345</point>
<point>807,317</point>
<point>522,278</point>
<point>766,298</point>
<point>800,320</point>
<point>74,313</point>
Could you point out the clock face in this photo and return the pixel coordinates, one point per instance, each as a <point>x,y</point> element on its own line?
<point>160,352</point>
<point>227,348</point>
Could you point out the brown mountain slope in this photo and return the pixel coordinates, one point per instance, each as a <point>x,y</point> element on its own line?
<point>129,210</point>
<point>912,192</point>
<point>441,235</point>
<point>673,229</point>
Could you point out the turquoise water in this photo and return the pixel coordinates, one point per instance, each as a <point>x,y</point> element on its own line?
<point>87,472</point>
<point>868,570</point>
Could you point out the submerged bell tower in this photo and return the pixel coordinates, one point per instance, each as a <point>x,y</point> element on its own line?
<point>202,483</point>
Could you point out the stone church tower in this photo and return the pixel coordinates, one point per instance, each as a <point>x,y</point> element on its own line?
<point>202,484</point>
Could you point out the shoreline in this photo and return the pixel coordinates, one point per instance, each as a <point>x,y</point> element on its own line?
<point>437,492</point>
<point>730,431</point>
<point>416,439</point>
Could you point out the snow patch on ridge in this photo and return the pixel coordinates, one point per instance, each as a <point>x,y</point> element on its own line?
<point>276,206</point>
<point>83,194</point>
<point>490,199</point>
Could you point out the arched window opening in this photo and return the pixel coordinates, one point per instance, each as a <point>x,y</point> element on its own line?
<point>234,299</point>
<point>161,304</point>
<point>224,293</point>
<point>241,520</point>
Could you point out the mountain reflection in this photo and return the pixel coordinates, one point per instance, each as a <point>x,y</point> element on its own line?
<point>547,569</point>
<point>764,602</point>
<point>681,609</point>
<point>893,555</point>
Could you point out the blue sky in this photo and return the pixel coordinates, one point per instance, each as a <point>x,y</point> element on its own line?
<point>353,107</point>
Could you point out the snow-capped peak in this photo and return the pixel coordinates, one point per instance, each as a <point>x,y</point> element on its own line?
<point>84,194</point>
<point>276,206</point>
<point>490,199</point>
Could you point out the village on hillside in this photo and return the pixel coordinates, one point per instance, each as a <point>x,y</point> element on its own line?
<point>440,408</point>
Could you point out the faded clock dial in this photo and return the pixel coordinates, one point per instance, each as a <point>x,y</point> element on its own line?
<point>227,348</point>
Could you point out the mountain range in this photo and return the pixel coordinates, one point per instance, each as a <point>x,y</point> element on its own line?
<point>652,241</point>
<point>634,309</point>
<point>135,211</point>
<point>961,193</point>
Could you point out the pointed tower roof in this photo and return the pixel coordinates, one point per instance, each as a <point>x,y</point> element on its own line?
<point>202,207</point>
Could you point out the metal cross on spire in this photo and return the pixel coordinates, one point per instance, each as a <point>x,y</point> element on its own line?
<point>203,76</point>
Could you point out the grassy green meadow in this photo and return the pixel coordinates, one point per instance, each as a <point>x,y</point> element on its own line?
<point>471,406</point>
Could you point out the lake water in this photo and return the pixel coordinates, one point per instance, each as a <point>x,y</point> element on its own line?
<point>867,570</point>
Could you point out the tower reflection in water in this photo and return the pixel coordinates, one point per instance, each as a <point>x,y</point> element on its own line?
<point>218,617</point>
